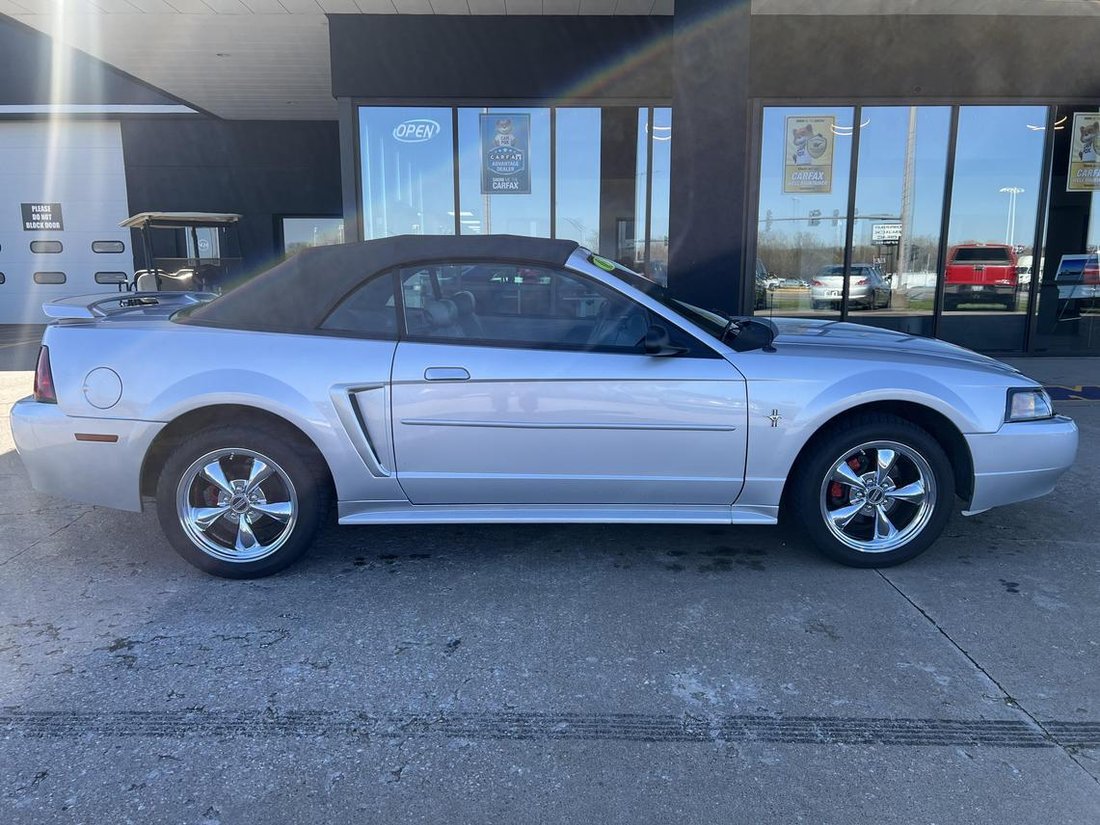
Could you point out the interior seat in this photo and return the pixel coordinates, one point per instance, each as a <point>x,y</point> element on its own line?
<point>466,304</point>
<point>618,325</point>
<point>443,318</point>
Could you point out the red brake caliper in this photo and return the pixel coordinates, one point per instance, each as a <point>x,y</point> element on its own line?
<point>835,489</point>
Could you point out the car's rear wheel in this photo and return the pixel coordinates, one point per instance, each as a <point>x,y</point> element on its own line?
<point>241,502</point>
<point>873,491</point>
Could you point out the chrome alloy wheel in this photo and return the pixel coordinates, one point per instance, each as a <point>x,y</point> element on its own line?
<point>878,496</point>
<point>236,505</point>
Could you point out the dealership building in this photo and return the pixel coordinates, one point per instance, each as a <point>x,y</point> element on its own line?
<point>927,166</point>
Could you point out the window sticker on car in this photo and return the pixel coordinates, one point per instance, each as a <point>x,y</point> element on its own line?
<point>603,263</point>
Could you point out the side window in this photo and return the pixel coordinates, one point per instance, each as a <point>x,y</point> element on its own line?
<point>516,305</point>
<point>370,310</point>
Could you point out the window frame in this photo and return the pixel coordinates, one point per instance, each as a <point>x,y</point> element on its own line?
<point>695,347</point>
<point>398,307</point>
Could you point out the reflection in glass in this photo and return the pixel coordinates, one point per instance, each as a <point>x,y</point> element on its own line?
<point>631,251</point>
<point>1068,268</point>
<point>994,203</point>
<point>656,259</point>
<point>611,177</point>
<point>577,211</point>
<point>406,157</point>
<point>898,211</point>
<point>300,233</point>
<point>803,208</point>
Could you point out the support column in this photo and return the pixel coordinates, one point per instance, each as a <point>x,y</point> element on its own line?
<point>710,153</point>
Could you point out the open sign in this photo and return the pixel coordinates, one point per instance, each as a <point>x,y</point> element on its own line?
<point>416,131</point>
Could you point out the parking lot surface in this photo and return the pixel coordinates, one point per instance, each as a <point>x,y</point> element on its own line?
<point>553,673</point>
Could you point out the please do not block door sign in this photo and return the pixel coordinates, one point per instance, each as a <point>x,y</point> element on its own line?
<point>42,216</point>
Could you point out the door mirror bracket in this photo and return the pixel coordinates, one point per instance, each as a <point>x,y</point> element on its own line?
<point>657,342</point>
<point>754,333</point>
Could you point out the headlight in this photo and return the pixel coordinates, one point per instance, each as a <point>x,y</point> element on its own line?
<point>1028,404</point>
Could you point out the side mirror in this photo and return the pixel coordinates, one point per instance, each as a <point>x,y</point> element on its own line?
<point>754,333</point>
<point>657,342</point>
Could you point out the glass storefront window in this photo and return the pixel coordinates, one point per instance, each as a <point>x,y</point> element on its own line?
<point>1068,268</point>
<point>898,212</point>
<point>576,176</point>
<point>804,166</point>
<point>519,213</point>
<point>631,249</point>
<point>300,233</point>
<point>964,269</point>
<point>994,206</point>
<point>407,163</point>
<point>577,184</point>
<point>656,257</point>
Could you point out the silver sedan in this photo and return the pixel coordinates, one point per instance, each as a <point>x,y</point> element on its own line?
<point>501,379</point>
<point>867,288</point>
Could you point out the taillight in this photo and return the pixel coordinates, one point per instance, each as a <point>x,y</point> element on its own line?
<point>1092,275</point>
<point>44,391</point>
<point>861,282</point>
<point>816,282</point>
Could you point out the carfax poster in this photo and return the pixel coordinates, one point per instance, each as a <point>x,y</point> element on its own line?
<point>505,154</point>
<point>1084,154</point>
<point>808,155</point>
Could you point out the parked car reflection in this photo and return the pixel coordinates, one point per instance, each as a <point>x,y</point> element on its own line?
<point>867,287</point>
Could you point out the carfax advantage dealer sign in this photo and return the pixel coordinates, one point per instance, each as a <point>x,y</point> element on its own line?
<point>40,216</point>
<point>506,154</point>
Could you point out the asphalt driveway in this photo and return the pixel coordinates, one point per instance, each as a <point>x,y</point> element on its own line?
<point>590,674</point>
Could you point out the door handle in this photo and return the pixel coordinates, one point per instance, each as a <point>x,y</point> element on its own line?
<point>446,374</point>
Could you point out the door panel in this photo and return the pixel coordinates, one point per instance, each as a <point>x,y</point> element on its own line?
<point>536,426</point>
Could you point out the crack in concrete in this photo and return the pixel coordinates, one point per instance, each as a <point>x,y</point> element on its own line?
<point>1009,699</point>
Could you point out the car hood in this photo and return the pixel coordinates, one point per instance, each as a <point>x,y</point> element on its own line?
<point>861,340</point>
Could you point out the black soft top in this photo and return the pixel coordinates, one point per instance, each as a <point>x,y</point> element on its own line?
<point>299,293</point>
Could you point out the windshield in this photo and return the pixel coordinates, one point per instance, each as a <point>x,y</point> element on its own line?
<point>710,320</point>
<point>982,254</point>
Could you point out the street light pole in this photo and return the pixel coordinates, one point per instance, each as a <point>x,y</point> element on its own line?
<point>1010,227</point>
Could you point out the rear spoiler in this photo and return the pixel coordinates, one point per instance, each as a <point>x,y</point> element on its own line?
<point>93,307</point>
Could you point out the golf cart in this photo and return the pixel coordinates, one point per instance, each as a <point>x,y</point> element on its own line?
<point>186,251</point>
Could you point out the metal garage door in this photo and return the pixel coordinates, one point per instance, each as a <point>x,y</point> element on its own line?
<point>77,165</point>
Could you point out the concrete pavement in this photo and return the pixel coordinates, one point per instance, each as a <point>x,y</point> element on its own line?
<point>554,673</point>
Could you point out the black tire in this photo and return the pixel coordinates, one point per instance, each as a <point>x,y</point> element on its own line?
<point>809,496</point>
<point>293,460</point>
<point>818,304</point>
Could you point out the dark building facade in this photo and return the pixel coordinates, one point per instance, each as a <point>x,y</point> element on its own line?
<point>932,173</point>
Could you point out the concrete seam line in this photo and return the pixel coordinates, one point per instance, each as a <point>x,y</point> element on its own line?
<point>37,542</point>
<point>1011,701</point>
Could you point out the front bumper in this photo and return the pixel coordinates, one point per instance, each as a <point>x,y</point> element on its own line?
<point>107,474</point>
<point>1020,461</point>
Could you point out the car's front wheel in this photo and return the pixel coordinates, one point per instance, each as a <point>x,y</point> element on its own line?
<point>241,502</point>
<point>873,491</point>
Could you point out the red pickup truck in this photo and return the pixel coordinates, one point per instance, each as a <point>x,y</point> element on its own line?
<point>980,274</point>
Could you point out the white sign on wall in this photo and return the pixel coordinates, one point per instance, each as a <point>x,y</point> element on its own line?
<point>885,233</point>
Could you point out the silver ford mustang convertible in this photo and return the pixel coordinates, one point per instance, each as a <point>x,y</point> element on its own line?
<point>504,379</point>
